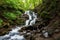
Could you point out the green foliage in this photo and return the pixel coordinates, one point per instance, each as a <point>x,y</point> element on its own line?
<point>1,22</point>
<point>18,13</point>
<point>21,4</point>
<point>10,15</point>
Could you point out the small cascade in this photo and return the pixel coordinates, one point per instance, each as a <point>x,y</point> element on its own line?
<point>32,18</point>
<point>14,34</point>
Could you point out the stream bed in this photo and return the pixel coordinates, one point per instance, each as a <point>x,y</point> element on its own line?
<point>14,34</point>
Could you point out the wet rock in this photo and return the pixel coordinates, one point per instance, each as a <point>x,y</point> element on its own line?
<point>57,30</point>
<point>45,34</point>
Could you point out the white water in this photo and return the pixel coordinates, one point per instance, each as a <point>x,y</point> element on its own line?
<point>14,34</point>
<point>32,18</point>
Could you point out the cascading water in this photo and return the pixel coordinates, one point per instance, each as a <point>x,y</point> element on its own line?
<point>32,18</point>
<point>14,34</point>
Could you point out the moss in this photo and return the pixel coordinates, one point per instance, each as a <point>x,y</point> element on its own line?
<point>10,15</point>
<point>1,22</point>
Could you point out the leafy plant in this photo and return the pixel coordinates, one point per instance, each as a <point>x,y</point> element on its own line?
<point>18,13</point>
<point>10,15</point>
<point>21,4</point>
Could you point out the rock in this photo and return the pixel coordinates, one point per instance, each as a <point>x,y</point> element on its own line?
<point>57,30</point>
<point>45,34</point>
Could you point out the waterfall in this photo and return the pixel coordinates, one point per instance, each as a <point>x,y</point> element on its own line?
<point>32,18</point>
<point>14,34</point>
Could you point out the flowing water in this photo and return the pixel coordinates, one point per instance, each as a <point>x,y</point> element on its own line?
<point>32,18</point>
<point>14,34</point>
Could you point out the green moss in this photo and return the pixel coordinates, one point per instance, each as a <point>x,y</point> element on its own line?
<point>10,15</point>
